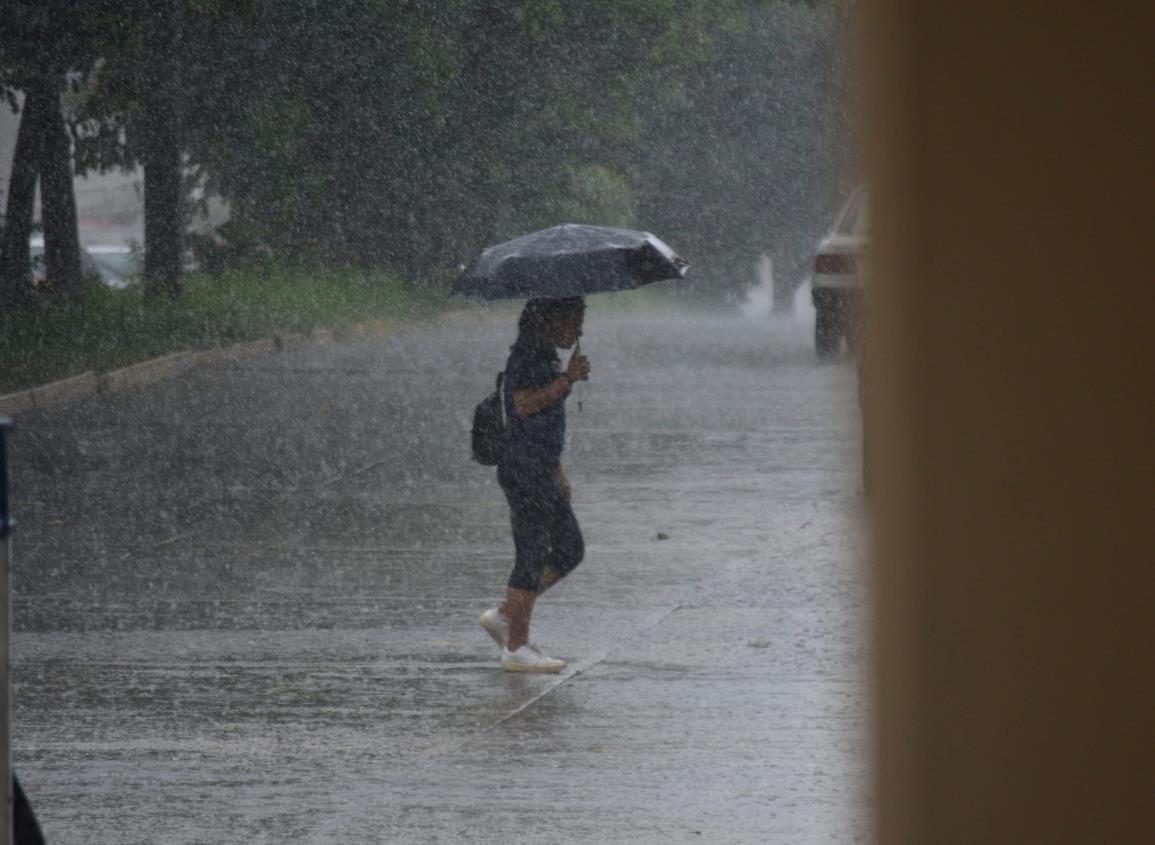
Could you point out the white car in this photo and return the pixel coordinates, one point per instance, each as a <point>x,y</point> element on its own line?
<point>114,265</point>
<point>839,277</point>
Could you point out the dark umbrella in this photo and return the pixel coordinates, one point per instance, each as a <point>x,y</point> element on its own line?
<point>569,260</point>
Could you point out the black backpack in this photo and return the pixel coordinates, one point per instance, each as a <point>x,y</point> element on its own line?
<point>490,427</point>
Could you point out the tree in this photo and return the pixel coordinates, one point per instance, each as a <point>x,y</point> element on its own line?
<point>161,147</point>
<point>15,261</point>
<point>133,114</point>
<point>124,58</point>
<point>58,196</point>
<point>43,148</point>
<point>408,134</point>
<point>47,43</point>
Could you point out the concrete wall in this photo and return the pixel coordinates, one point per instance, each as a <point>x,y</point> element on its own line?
<point>1012,359</point>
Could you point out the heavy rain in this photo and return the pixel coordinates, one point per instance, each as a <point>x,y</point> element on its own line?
<point>251,536</point>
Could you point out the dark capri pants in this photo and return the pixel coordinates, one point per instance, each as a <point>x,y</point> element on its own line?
<point>545,530</point>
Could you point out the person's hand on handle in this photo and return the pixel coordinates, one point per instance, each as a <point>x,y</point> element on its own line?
<point>526,403</point>
<point>579,366</point>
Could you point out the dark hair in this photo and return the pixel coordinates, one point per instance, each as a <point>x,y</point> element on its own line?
<point>538,312</point>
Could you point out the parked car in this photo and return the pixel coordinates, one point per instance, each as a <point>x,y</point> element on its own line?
<point>839,279</point>
<point>113,265</point>
<point>116,264</point>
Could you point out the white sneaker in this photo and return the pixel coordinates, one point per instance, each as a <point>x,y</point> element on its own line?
<point>528,659</point>
<point>496,625</point>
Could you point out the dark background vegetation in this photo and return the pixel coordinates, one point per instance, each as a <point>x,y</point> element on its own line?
<point>401,136</point>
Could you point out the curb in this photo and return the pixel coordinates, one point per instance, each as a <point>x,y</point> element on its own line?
<point>91,383</point>
<point>146,372</point>
<point>57,391</point>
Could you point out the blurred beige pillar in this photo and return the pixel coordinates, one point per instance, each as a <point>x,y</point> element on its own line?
<point>1013,356</point>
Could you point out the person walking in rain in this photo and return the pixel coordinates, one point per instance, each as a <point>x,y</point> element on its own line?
<point>547,539</point>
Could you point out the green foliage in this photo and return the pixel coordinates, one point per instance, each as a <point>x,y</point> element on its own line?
<point>410,135</point>
<point>50,38</point>
<point>407,135</point>
<point>106,329</point>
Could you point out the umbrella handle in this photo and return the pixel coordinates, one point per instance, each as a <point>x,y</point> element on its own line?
<point>577,350</point>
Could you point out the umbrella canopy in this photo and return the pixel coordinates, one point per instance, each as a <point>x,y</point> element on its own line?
<point>569,260</point>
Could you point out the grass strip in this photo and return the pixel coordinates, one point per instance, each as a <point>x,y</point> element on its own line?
<point>105,329</point>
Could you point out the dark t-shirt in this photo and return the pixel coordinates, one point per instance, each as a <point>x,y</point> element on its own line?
<point>532,365</point>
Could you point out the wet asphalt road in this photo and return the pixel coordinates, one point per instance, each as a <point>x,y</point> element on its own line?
<point>246,600</point>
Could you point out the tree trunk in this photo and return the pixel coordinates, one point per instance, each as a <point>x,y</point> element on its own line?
<point>58,199</point>
<point>161,151</point>
<point>15,269</point>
